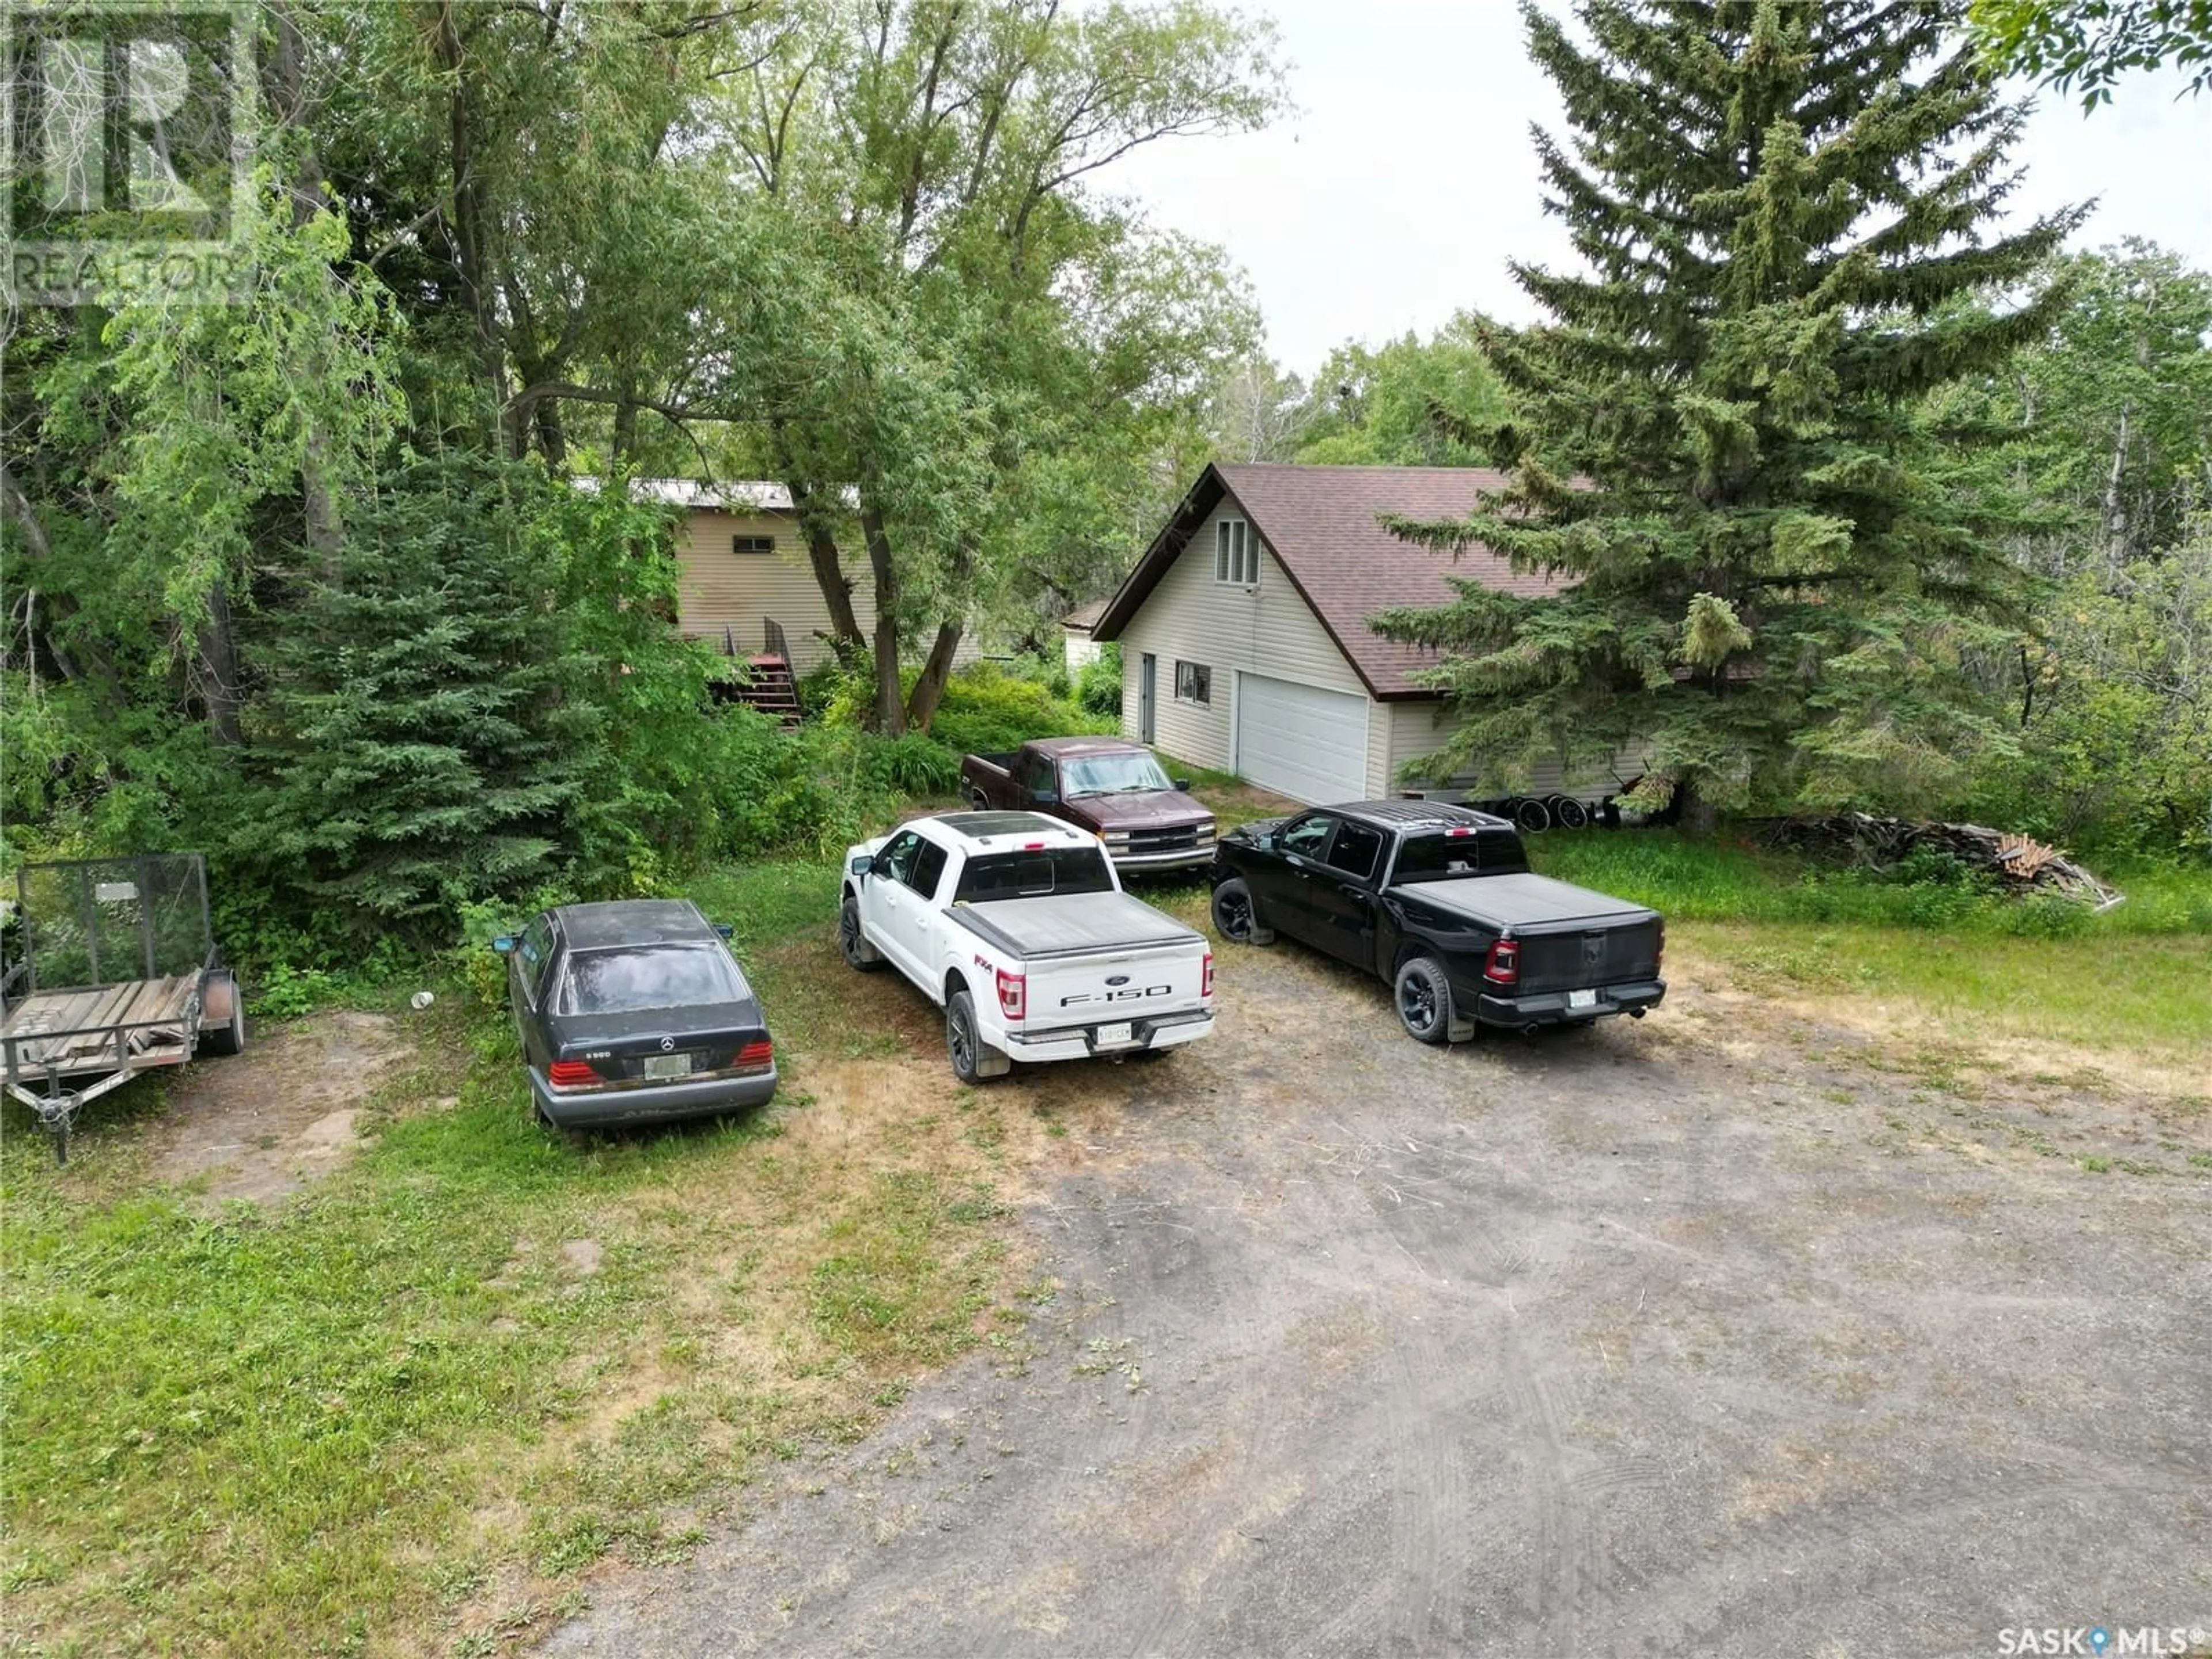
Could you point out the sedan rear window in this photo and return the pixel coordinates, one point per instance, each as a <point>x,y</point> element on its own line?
<point>1028,874</point>
<point>630,978</point>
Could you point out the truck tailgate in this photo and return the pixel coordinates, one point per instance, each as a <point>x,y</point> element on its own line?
<point>1093,957</point>
<point>1570,959</point>
<point>1571,937</point>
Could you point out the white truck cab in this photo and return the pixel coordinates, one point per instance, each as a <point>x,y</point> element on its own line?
<point>1017,925</point>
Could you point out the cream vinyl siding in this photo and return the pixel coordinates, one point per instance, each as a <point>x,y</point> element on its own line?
<point>1264,629</point>
<point>717,588</point>
<point>1414,730</point>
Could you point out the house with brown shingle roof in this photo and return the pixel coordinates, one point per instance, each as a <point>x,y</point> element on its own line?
<point>1244,638</point>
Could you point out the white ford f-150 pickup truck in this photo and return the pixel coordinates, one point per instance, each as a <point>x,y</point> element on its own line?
<point>1017,926</point>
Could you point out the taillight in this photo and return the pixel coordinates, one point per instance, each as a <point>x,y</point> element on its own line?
<point>572,1075</point>
<point>1504,967</point>
<point>1659,950</point>
<point>754,1057</point>
<point>1013,994</point>
<point>1206,976</point>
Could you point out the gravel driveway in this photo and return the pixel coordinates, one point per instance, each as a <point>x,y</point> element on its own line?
<point>1700,1335</point>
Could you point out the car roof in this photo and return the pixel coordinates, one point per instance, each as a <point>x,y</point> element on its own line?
<point>631,922</point>
<point>985,830</point>
<point>1405,815</point>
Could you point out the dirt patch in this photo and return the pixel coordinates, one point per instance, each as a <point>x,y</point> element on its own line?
<point>1706,1334</point>
<point>263,1123</point>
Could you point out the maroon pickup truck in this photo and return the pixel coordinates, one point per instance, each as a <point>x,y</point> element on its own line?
<point>1115,790</point>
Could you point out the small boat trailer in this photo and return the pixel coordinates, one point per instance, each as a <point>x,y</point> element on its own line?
<point>108,968</point>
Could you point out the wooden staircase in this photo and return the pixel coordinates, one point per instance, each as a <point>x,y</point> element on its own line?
<point>768,683</point>
<point>771,687</point>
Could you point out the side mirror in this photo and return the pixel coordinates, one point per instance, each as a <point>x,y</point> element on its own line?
<point>1044,797</point>
<point>503,944</point>
<point>861,863</point>
<point>724,928</point>
<point>1182,784</point>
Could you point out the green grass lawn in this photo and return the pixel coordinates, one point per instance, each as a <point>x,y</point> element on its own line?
<point>393,1404</point>
<point>2135,980</point>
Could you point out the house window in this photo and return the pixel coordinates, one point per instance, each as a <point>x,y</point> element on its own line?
<point>1193,683</point>
<point>752,544</point>
<point>1236,553</point>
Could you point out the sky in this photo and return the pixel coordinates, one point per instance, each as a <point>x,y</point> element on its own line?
<point>1394,194</point>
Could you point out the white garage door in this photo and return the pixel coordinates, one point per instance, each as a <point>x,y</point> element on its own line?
<point>1300,740</point>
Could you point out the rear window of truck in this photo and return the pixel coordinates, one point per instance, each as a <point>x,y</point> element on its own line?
<point>1440,856</point>
<point>1033,874</point>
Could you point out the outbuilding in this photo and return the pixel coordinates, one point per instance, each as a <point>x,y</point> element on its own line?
<point>1244,628</point>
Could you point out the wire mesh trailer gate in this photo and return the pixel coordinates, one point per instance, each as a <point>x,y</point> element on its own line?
<point>109,969</point>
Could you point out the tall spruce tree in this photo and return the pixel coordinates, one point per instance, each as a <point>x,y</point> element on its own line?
<point>1722,441</point>
<point>420,733</point>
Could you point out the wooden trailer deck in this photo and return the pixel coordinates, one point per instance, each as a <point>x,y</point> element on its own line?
<point>145,1022</point>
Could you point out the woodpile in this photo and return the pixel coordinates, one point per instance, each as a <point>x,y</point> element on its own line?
<point>2020,864</point>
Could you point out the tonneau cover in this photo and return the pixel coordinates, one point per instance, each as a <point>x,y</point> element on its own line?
<point>1523,901</point>
<point>1070,923</point>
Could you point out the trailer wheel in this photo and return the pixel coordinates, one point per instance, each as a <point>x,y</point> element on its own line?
<point>222,1017</point>
<point>1568,812</point>
<point>1532,815</point>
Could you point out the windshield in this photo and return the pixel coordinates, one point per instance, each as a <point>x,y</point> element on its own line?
<point>1111,775</point>
<point>632,978</point>
<point>1032,874</point>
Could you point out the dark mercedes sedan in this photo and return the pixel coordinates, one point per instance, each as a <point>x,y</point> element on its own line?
<point>635,1013</point>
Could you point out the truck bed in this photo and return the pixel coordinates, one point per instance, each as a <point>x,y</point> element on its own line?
<point>1523,901</point>
<point>75,1030</point>
<point>1070,924</point>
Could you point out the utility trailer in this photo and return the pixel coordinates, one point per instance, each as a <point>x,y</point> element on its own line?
<point>108,968</point>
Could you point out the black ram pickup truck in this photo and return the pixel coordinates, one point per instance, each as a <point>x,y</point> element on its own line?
<point>1438,900</point>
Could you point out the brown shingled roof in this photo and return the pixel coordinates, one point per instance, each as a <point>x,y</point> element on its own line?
<point>1321,523</point>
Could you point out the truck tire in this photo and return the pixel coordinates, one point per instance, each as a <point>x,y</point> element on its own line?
<point>978,800</point>
<point>973,1059</point>
<point>223,1017</point>
<point>1568,812</point>
<point>1236,916</point>
<point>1424,1000</point>
<point>853,943</point>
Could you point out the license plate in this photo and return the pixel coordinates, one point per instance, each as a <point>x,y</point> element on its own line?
<point>1113,1036</point>
<point>662,1066</point>
<point>1582,999</point>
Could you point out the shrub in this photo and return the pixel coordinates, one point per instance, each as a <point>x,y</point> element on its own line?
<point>985,710</point>
<point>1098,682</point>
<point>914,764</point>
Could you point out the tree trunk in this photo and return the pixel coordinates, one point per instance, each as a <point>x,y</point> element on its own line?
<point>469,215</point>
<point>1693,814</point>
<point>625,436</point>
<point>2116,515</point>
<point>844,636</point>
<point>218,669</point>
<point>324,526</point>
<point>929,689</point>
<point>891,696</point>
